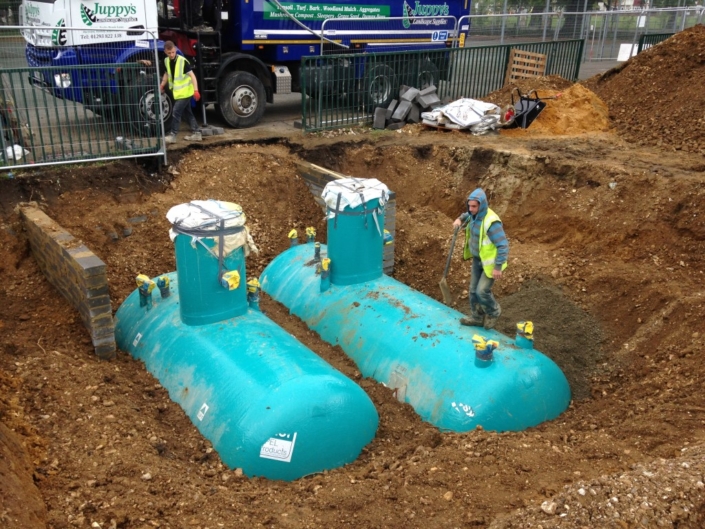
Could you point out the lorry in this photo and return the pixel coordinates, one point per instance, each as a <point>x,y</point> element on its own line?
<point>242,51</point>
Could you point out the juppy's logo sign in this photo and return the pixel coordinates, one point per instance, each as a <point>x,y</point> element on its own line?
<point>58,36</point>
<point>422,10</point>
<point>103,13</point>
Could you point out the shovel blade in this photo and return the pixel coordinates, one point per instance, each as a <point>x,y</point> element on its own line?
<point>447,298</point>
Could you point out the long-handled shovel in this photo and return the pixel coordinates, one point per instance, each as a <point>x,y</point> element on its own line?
<point>447,298</point>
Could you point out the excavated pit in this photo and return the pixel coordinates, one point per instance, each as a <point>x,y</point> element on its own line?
<point>606,259</point>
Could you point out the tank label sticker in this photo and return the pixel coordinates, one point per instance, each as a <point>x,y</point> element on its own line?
<point>202,412</point>
<point>279,447</point>
<point>463,408</point>
<point>137,339</point>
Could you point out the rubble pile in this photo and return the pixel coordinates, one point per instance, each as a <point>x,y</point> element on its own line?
<point>656,97</point>
<point>571,109</point>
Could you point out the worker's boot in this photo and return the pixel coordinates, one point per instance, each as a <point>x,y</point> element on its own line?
<point>491,321</point>
<point>472,321</point>
<point>196,136</point>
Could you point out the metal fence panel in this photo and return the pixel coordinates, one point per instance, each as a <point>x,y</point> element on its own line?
<point>69,105</point>
<point>343,90</point>
<point>606,32</point>
<point>646,41</point>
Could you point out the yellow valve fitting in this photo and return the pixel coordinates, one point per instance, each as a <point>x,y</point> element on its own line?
<point>230,280</point>
<point>142,280</point>
<point>484,345</point>
<point>526,329</point>
<point>310,231</point>
<point>325,264</point>
<point>293,234</point>
<point>163,281</point>
<point>387,238</point>
<point>253,285</point>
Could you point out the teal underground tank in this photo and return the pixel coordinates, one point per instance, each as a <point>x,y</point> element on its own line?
<point>268,404</point>
<point>410,342</point>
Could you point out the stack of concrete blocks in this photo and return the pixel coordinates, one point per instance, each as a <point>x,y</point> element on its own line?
<point>77,273</point>
<point>412,102</point>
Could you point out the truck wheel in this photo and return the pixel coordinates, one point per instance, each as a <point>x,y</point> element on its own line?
<point>241,99</point>
<point>145,98</point>
<point>380,87</point>
<point>428,75</point>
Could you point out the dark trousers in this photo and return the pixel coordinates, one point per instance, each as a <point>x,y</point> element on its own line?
<point>481,298</point>
<point>182,107</point>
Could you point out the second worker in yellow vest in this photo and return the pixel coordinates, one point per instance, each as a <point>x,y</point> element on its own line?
<point>183,85</point>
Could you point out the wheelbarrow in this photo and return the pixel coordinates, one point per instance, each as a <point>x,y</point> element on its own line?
<point>524,111</point>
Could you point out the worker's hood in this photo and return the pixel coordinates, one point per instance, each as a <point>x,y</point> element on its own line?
<point>480,196</point>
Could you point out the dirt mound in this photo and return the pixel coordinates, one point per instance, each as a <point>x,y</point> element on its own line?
<point>655,96</point>
<point>570,108</point>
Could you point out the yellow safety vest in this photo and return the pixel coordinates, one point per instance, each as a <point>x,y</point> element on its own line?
<point>488,251</point>
<point>179,83</point>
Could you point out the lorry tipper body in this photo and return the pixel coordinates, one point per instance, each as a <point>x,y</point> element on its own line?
<point>243,51</point>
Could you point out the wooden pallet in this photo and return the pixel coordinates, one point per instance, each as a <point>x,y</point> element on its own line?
<point>524,65</point>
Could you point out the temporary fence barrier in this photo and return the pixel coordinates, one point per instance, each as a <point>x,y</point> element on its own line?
<point>61,103</point>
<point>344,90</point>
<point>606,33</point>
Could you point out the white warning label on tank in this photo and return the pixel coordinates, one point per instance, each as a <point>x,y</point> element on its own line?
<point>202,412</point>
<point>279,447</point>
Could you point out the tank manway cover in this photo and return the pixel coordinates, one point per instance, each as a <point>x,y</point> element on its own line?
<point>211,219</point>
<point>353,192</point>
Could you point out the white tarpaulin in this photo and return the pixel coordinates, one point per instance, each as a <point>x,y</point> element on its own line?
<point>353,192</point>
<point>463,112</point>
<point>205,216</point>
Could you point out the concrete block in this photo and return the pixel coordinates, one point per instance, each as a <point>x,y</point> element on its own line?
<point>402,111</point>
<point>403,88</point>
<point>410,94</point>
<point>218,130</point>
<point>414,114</point>
<point>396,126</point>
<point>428,90</point>
<point>390,109</point>
<point>206,131</point>
<point>380,118</point>
<point>429,100</point>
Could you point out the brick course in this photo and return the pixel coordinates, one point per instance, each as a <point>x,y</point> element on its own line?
<point>77,273</point>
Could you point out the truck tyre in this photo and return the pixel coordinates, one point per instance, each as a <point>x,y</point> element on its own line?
<point>380,87</point>
<point>428,75</point>
<point>241,99</point>
<point>144,97</point>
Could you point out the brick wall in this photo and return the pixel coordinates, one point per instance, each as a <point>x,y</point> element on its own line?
<point>77,273</point>
<point>317,177</point>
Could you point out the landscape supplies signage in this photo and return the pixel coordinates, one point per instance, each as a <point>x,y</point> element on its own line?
<point>413,14</point>
<point>324,11</point>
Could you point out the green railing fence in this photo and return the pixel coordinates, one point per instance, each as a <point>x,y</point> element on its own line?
<point>646,41</point>
<point>344,90</point>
